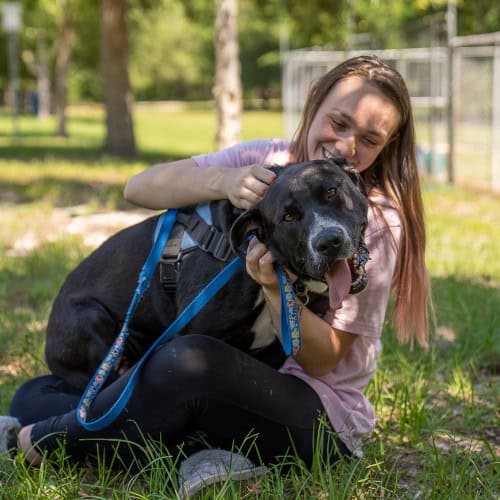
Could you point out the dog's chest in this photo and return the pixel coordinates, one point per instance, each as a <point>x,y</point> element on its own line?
<point>263,328</point>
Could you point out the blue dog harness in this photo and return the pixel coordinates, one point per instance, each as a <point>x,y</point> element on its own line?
<point>290,326</point>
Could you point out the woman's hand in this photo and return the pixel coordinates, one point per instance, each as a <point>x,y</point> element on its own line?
<point>260,264</point>
<point>246,186</point>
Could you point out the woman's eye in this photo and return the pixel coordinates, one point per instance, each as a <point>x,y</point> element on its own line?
<point>288,217</point>
<point>331,193</point>
<point>369,141</point>
<point>338,124</point>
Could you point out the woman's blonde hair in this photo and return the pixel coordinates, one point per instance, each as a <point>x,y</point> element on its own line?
<point>395,174</point>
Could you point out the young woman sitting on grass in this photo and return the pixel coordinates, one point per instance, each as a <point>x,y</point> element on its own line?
<point>194,384</point>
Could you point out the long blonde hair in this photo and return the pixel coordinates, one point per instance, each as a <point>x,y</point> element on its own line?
<point>395,174</point>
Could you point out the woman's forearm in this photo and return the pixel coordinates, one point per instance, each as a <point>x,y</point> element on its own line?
<point>176,184</point>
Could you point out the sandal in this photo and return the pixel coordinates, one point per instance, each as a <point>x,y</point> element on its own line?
<point>9,427</point>
<point>210,466</point>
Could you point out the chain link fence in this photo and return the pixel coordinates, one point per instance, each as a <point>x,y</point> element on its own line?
<point>458,138</point>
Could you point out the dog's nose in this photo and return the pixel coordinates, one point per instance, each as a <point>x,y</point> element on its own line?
<point>329,240</point>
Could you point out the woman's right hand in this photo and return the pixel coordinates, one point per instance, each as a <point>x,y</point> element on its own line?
<point>246,186</point>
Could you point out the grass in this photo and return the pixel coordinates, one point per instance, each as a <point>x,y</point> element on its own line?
<point>438,420</point>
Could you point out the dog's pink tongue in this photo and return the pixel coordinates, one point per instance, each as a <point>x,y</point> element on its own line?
<point>339,283</point>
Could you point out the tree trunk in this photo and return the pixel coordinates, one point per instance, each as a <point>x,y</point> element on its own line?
<point>120,140</point>
<point>63,57</point>
<point>228,88</point>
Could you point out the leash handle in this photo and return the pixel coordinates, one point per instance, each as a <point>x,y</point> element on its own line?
<point>291,337</point>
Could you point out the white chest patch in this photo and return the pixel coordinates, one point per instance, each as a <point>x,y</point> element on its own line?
<point>263,328</point>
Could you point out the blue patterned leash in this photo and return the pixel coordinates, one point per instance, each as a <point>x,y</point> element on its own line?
<point>289,320</point>
<point>290,327</point>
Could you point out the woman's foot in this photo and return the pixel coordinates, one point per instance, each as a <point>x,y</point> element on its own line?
<point>24,441</point>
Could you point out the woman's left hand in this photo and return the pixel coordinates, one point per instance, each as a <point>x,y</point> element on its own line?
<point>260,264</point>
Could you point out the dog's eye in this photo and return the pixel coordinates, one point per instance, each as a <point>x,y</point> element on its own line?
<point>331,193</point>
<point>288,217</point>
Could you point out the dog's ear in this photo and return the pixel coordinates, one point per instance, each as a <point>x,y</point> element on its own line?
<point>245,226</point>
<point>353,174</point>
<point>340,161</point>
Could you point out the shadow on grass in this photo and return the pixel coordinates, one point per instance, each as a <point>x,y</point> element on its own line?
<point>30,152</point>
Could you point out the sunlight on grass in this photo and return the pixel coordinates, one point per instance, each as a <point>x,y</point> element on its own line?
<point>463,233</point>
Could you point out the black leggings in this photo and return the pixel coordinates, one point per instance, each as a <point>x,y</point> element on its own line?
<point>193,385</point>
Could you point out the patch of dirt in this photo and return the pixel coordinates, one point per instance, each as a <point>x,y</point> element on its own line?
<point>94,228</point>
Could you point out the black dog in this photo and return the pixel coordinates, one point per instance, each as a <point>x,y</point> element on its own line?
<point>313,214</point>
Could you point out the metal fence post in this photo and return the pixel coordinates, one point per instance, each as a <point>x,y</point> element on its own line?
<point>451,25</point>
<point>495,143</point>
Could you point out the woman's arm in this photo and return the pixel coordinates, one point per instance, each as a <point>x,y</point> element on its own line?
<point>181,183</point>
<point>322,345</point>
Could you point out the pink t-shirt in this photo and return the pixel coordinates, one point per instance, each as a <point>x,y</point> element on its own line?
<point>363,314</point>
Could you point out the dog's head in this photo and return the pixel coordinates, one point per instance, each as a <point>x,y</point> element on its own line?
<point>313,214</point>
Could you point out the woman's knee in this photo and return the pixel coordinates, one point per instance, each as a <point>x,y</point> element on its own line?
<point>41,397</point>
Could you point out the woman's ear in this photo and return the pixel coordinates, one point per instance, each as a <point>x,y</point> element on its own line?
<point>245,226</point>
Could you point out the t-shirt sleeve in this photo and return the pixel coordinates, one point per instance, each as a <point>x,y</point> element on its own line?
<point>258,151</point>
<point>364,313</point>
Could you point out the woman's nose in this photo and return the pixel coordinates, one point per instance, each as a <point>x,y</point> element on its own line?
<point>346,146</point>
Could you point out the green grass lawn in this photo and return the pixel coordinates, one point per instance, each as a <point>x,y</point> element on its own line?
<point>437,433</point>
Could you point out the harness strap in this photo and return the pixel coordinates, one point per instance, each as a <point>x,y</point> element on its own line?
<point>171,259</point>
<point>204,235</point>
<point>209,238</point>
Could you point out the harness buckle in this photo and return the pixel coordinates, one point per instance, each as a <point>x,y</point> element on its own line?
<point>215,243</point>
<point>208,237</point>
<point>169,267</point>
<point>222,250</point>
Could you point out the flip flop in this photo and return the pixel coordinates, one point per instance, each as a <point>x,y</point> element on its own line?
<point>9,427</point>
<point>210,466</point>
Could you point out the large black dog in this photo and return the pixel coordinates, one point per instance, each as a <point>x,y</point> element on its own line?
<point>313,214</point>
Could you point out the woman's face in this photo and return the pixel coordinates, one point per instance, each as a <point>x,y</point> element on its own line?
<point>356,120</point>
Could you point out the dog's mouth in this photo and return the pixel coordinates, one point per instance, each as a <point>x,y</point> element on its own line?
<point>357,265</point>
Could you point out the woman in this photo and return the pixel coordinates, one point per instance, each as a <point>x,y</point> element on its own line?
<point>360,110</point>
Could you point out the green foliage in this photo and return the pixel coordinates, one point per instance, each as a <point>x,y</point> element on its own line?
<point>85,79</point>
<point>164,48</point>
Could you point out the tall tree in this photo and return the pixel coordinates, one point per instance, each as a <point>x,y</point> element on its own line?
<point>228,88</point>
<point>118,101</point>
